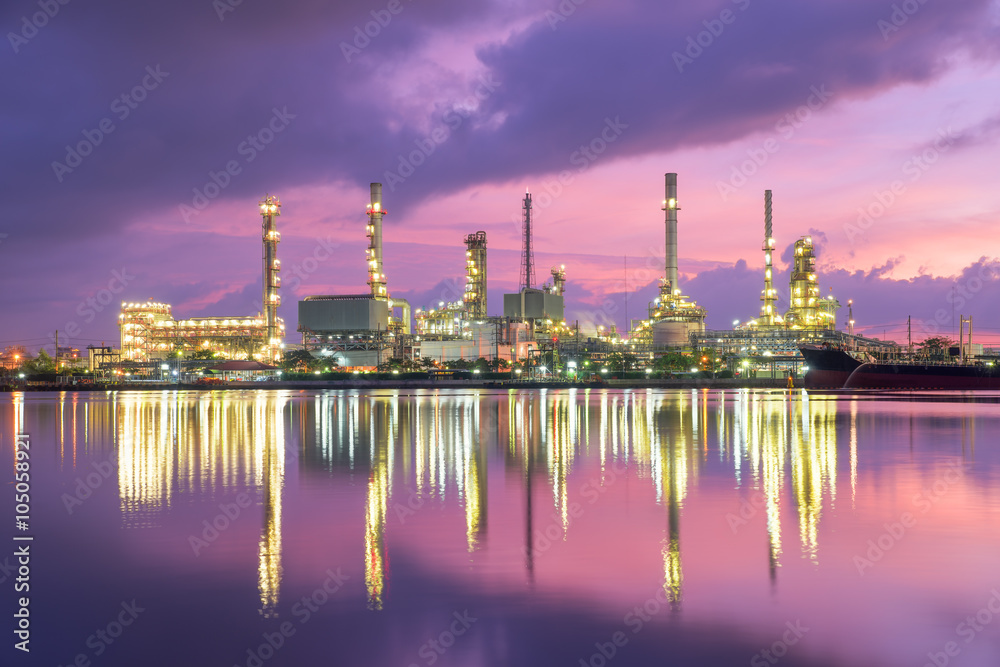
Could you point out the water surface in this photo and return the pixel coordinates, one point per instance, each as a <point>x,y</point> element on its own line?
<point>533,527</point>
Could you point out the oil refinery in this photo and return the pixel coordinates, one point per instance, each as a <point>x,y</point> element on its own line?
<point>149,332</point>
<point>362,331</point>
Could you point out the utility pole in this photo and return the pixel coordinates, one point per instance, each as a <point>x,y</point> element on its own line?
<point>961,338</point>
<point>57,351</point>
<point>909,337</point>
<point>628,325</point>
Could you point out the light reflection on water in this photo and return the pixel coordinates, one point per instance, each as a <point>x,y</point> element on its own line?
<point>768,459</point>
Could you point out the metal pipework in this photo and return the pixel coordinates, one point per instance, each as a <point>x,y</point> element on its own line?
<point>671,208</point>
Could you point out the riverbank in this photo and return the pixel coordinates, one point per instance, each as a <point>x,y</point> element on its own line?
<point>673,383</point>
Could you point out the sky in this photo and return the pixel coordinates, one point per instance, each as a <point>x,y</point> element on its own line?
<point>137,139</point>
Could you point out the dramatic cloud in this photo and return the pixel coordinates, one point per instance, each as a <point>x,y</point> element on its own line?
<point>126,117</point>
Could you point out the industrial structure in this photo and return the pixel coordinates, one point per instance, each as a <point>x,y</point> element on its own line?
<point>808,311</point>
<point>359,329</point>
<point>149,331</point>
<point>452,319</point>
<point>475,276</point>
<point>772,339</point>
<point>672,317</point>
<point>270,208</point>
<point>543,309</point>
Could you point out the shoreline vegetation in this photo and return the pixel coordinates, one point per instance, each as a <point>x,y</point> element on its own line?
<point>408,383</point>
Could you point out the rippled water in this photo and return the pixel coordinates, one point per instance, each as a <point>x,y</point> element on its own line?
<point>492,528</point>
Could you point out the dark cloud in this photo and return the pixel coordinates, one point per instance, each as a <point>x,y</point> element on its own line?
<point>543,92</point>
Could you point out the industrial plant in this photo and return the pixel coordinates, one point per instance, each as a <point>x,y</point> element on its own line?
<point>364,330</point>
<point>150,333</point>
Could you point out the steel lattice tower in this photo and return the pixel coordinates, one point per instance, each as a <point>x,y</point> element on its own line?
<point>527,261</point>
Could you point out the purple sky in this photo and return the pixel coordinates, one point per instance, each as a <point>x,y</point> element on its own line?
<point>838,102</point>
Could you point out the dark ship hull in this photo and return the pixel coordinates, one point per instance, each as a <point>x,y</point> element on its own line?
<point>921,376</point>
<point>829,368</point>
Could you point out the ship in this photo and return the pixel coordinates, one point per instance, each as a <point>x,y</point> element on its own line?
<point>924,376</point>
<point>834,368</point>
<point>829,367</point>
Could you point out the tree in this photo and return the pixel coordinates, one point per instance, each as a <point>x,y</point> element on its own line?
<point>674,361</point>
<point>297,360</point>
<point>934,347</point>
<point>43,363</point>
<point>203,353</point>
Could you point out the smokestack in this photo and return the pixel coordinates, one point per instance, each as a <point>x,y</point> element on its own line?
<point>670,206</point>
<point>376,278</point>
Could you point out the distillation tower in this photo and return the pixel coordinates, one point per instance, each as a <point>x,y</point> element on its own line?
<point>270,208</point>
<point>475,276</point>
<point>769,315</point>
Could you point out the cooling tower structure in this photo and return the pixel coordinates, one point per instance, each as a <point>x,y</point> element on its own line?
<point>672,317</point>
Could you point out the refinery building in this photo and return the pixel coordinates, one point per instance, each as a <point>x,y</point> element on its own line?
<point>363,330</point>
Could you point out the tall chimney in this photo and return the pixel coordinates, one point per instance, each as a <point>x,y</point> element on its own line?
<point>376,278</point>
<point>670,206</point>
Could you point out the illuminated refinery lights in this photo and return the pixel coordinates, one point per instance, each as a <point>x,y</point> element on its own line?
<point>375,212</point>
<point>270,208</point>
<point>475,278</point>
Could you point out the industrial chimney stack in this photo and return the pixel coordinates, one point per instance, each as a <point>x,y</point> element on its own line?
<point>670,206</point>
<point>376,278</point>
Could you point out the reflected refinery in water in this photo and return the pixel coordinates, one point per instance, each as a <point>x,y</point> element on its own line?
<point>704,525</point>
